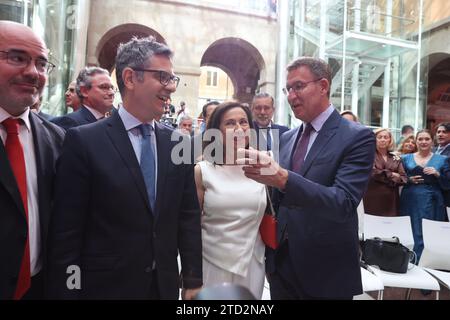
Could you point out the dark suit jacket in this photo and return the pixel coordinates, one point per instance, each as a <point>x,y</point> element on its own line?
<point>48,140</point>
<point>277,131</point>
<point>317,210</point>
<point>103,222</point>
<point>78,118</point>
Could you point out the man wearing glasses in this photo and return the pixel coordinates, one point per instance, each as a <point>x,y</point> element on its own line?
<point>324,168</point>
<point>96,93</point>
<point>29,147</point>
<point>123,209</point>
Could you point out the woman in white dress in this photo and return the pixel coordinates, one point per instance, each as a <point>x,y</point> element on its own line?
<point>232,205</point>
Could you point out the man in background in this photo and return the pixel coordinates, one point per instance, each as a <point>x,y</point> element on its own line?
<point>268,133</point>
<point>96,93</point>
<point>72,99</point>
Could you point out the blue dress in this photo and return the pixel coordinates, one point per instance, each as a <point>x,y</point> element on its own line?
<point>424,200</point>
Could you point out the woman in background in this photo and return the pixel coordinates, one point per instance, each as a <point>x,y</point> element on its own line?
<point>408,145</point>
<point>232,205</point>
<point>422,197</point>
<point>382,196</point>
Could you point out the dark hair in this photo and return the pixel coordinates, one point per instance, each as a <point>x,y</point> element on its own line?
<point>135,53</point>
<point>446,125</point>
<point>84,78</point>
<point>217,115</point>
<point>319,68</point>
<point>407,127</point>
<point>205,107</point>
<point>355,118</point>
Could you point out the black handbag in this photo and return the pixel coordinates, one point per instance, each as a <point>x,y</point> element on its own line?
<point>389,255</point>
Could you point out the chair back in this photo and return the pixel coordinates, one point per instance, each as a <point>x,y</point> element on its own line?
<point>388,227</point>
<point>436,240</point>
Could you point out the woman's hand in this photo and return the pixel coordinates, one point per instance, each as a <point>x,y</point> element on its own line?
<point>431,171</point>
<point>416,179</point>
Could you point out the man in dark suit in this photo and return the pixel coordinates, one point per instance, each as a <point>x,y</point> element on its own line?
<point>267,133</point>
<point>323,172</point>
<point>443,148</point>
<point>443,139</point>
<point>96,93</point>
<point>29,147</point>
<point>113,219</point>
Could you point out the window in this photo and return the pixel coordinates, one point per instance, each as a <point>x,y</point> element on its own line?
<point>211,78</point>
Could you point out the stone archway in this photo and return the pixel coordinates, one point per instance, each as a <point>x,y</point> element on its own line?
<point>241,61</point>
<point>438,105</point>
<point>108,44</point>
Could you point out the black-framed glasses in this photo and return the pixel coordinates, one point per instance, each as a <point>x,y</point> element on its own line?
<point>164,77</point>
<point>22,59</point>
<point>298,86</point>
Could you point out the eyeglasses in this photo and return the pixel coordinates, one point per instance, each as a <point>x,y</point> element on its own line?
<point>298,86</point>
<point>22,60</point>
<point>107,87</point>
<point>164,77</point>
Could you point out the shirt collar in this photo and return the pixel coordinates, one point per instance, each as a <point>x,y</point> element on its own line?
<point>24,116</point>
<point>95,113</point>
<point>130,121</point>
<point>320,120</point>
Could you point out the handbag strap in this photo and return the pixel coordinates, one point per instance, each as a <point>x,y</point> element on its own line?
<point>269,203</point>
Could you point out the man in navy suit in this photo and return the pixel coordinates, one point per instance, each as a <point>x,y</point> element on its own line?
<point>96,93</point>
<point>267,133</point>
<point>324,169</point>
<point>27,163</point>
<point>116,220</point>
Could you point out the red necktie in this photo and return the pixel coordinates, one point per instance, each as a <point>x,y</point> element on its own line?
<point>302,146</point>
<point>16,158</point>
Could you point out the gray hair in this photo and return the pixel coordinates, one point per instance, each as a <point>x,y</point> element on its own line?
<point>318,67</point>
<point>184,118</point>
<point>84,78</point>
<point>262,95</point>
<point>135,53</point>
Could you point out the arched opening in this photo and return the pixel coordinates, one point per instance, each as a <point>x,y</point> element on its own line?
<point>108,44</point>
<point>438,106</point>
<point>241,61</point>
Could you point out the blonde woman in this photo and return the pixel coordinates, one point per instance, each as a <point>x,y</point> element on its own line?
<point>382,196</point>
<point>408,145</point>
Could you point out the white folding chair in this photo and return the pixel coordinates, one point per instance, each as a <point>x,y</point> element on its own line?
<point>436,251</point>
<point>360,211</point>
<point>415,277</point>
<point>371,282</point>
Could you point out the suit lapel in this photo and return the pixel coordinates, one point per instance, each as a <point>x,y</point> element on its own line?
<point>163,154</point>
<point>328,130</point>
<point>119,138</point>
<point>43,153</point>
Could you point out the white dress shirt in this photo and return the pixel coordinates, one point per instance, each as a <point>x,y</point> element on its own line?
<point>131,124</point>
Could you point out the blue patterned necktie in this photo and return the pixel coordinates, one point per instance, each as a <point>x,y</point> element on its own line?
<point>148,163</point>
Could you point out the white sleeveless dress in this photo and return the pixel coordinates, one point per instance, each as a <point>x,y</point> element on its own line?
<point>233,207</point>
